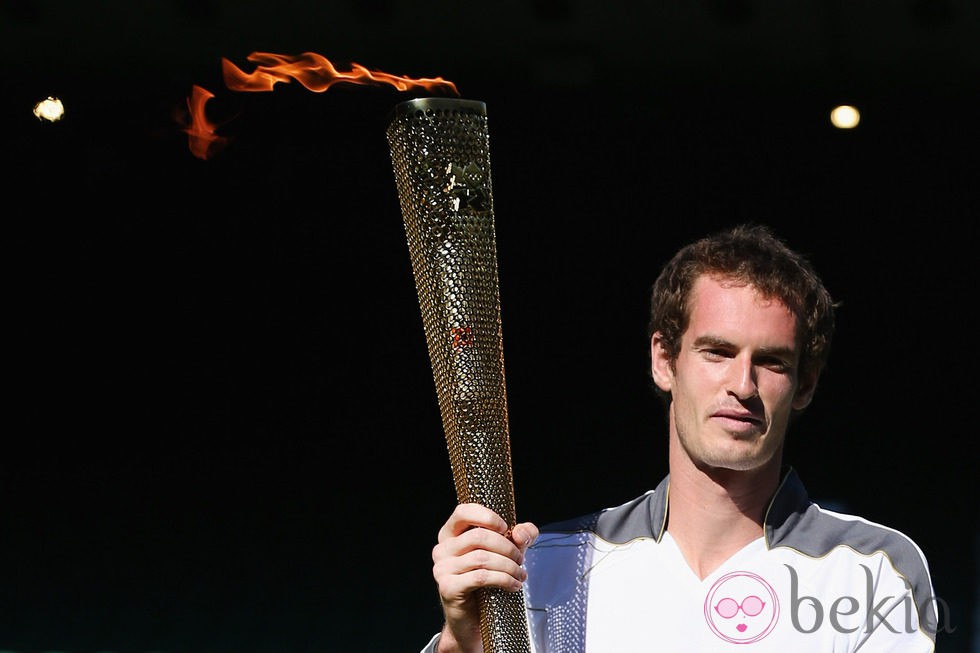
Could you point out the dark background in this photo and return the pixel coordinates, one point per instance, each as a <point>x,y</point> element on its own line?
<point>223,429</point>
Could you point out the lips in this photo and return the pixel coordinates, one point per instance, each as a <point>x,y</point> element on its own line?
<point>738,415</point>
<point>737,421</point>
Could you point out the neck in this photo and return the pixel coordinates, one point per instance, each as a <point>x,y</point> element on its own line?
<point>713,512</point>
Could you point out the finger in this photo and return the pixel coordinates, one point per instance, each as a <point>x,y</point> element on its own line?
<point>524,535</point>
<point>477,539</point>
<point>469,515</point>
<point>458,585</point>
<point>478,568</point>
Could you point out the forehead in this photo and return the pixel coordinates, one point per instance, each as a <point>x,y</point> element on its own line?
<point>735,311</point>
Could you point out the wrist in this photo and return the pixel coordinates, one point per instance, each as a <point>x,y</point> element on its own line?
<point>446,642</point>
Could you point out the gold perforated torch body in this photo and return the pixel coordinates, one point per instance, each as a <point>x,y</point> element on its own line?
<point>441,159</point>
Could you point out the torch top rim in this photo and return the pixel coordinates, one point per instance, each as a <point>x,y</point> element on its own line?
<point>440,104</point>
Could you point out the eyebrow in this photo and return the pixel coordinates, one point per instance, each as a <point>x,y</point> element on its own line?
<point>715,341</point>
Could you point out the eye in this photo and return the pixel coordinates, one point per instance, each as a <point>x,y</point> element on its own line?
<point>775,364</point>
<point>716,353</point>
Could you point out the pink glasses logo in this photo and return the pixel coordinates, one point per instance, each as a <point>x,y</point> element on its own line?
<point>741,608</point>
<point>751,606</point>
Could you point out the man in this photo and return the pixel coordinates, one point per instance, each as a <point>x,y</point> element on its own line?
<point>727,553</point>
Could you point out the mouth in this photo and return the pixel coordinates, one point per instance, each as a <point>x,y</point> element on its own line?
<point>738,422</point>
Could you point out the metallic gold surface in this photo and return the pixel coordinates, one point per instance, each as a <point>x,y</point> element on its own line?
<point>441,158</point>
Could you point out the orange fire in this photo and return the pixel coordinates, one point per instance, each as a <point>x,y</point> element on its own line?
<point>316,73</point>
<point>201,136</point>
<point>313,71</point>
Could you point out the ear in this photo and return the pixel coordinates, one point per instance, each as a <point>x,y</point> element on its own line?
<point>805,390</point>
<point>660,368</point>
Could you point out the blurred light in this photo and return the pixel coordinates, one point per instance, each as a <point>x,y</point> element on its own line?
<point>50,109</point>
<point>845,117</point>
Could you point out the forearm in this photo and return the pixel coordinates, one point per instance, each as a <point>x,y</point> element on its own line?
<point>444,642</point>
<point>449,642</point>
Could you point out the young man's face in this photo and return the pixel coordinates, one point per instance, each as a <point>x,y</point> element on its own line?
<point>735,381</point>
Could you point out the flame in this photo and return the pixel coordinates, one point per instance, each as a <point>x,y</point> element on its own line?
<point>201,136</point>
<point>316,73</point>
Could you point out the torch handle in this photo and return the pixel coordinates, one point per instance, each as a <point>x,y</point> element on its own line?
<point>440,155</point>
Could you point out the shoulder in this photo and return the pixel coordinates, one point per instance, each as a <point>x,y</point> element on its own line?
<point>892,562</point>
<point>795,522</point>
<point>818,530</point>
<point>565,551</point>
<point>642,517</point>
<point>630,519</point>
<point>637,518</point>
<point>818,533</point>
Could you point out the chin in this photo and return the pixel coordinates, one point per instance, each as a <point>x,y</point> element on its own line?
<point>738,461</point>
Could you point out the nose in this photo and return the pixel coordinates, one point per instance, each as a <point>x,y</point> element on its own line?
<point>743,382</point>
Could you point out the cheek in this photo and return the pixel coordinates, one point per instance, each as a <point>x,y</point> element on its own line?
<point>778,398</point>
<point>778,390</point>
<point>689,397</point>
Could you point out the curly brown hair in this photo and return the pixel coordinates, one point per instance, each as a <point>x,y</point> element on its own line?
<point>746,253</point>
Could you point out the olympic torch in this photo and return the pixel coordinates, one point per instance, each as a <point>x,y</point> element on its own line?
<point>441,159</point>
